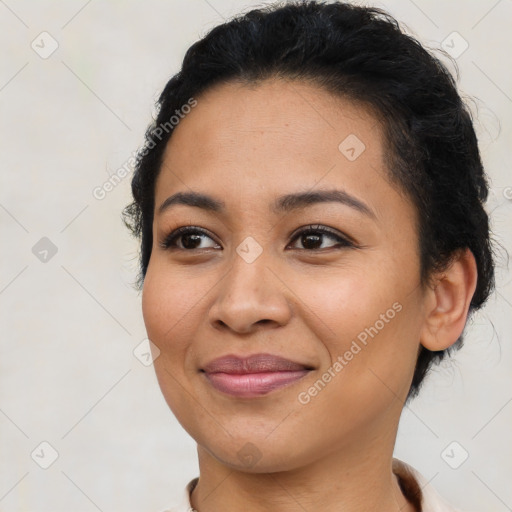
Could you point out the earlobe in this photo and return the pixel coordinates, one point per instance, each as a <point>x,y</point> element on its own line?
<point>447,302</point>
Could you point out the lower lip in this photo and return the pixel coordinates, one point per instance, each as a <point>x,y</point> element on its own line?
<point>253,384</point>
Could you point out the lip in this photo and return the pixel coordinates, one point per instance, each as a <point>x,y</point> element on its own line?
<point>253,376</point>
<point>256,363</point>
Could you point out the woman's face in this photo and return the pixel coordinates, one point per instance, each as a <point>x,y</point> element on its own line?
<point>346,305</point>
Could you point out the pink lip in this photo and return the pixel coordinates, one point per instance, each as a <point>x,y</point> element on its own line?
<point>253,376</point>
<point>253,384</point>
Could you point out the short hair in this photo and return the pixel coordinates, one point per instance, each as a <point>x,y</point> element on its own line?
<point>358,53</point>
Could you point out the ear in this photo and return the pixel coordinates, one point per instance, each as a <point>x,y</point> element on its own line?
<point>447,302</point>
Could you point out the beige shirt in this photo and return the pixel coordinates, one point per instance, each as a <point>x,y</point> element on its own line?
<point>414,486</point>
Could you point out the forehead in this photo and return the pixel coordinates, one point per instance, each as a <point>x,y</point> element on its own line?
<point>249,142</point>
<point>233,118</point>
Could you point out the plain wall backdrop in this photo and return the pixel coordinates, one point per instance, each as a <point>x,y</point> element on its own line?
<point>78,81</point>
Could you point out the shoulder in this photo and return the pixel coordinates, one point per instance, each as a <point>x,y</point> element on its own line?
<point>184,504</point>
<point>419,490</point>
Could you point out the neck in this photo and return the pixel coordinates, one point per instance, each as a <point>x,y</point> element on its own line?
<point>349,480</point>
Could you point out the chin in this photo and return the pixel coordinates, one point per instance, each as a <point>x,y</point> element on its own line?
<point>253,454</point>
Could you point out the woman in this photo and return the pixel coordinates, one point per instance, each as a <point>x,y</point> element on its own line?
<point>313,238</point>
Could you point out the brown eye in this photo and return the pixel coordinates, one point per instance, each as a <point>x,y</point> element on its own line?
<point>191,239</point>
<point>313,237</point>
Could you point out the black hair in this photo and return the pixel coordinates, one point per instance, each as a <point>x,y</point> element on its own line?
<point>362,54</point>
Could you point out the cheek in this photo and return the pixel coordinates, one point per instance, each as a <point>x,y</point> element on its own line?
<point>154,305</point>
<point>383,352</point>
<point>368,321</point>
<point>167,302</point>
<point>167,309</point>
<point>341,306</point>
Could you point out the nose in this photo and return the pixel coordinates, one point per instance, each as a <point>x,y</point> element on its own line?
<point>250,296</point>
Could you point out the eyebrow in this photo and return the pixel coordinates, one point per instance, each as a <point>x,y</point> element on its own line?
<point>282,204</point>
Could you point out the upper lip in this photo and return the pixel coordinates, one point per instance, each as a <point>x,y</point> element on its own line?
<point>257,363</point>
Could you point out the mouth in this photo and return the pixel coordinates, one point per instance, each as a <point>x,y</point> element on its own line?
<point>253,376</point>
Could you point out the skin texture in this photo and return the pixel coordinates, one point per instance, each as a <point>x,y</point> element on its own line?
<point>246,146</point>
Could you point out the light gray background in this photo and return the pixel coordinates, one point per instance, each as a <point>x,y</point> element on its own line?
<point>68,375</point>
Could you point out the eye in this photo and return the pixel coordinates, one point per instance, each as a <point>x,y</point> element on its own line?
<point>191,238</point>
<point>312,236</point>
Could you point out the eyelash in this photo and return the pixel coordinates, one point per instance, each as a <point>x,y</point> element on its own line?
<point>169,242</point>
